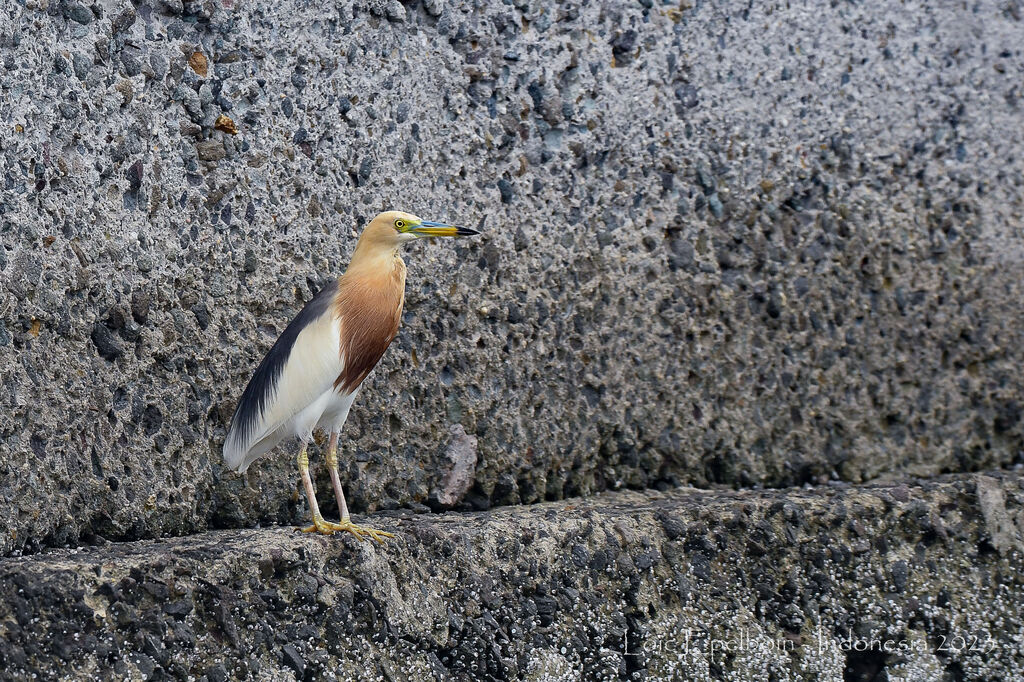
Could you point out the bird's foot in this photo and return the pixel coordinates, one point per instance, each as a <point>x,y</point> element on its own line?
<point>361,532</point>
<point>320,526</point>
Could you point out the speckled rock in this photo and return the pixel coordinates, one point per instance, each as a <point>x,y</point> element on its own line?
<point>834,583</point>
<point>752,245</point>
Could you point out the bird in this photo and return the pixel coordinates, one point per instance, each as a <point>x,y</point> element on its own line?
<point>312,374</point>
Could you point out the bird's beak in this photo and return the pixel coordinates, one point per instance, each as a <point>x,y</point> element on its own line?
<point>429,228</point>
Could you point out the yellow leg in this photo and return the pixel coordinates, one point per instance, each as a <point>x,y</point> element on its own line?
<point>332,466</point>
<point>346,524</point>
<point>319,525</point>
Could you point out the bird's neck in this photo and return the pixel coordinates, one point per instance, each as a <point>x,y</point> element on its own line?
<point>377,280</point>
<point>372,263</point>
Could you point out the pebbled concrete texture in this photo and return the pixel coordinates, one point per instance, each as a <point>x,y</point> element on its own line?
<point>724,244</point>
<point>916,580</point>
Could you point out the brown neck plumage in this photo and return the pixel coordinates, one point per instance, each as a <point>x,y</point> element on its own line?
<point>369,306</point>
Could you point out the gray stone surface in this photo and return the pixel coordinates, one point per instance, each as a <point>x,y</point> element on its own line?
<point>724,243</point>
<point>683,585</point>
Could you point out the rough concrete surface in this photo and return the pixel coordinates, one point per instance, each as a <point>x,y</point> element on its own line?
<point>723,243</point>
<point>681,585</point>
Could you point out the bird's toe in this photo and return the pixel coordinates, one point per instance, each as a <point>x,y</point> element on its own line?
<point>361,532</point>
<point>378,535</point>
<point>319,526</point>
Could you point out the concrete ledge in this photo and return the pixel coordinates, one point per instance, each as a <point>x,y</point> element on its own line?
<point>686,584</point>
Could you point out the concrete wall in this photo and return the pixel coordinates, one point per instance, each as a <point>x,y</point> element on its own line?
<point>729,245</point>
<point>749,245</point>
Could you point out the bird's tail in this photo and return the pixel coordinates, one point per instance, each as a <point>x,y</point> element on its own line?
<point>238,457</point>
<point>234,452</point>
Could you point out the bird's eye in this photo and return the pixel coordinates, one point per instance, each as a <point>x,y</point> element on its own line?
<point>399,224</point>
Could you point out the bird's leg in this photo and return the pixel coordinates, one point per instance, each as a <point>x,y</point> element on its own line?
<point>346,523</point>
<point>319,525</point>
<point>332,466</point>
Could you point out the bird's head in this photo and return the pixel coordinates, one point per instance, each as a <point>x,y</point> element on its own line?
<point>393,228</point>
